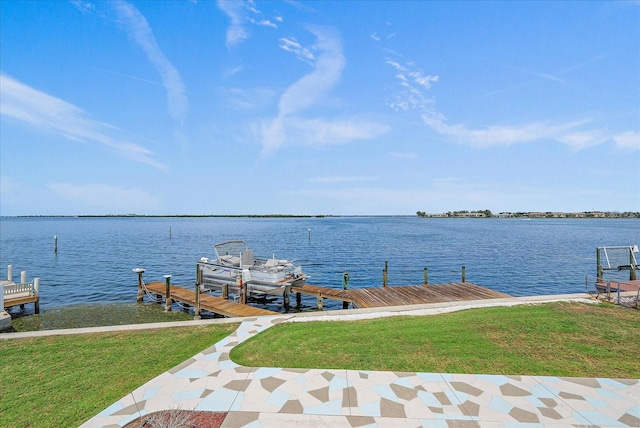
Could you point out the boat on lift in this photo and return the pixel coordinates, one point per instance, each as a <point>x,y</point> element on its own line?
<point>235,265</point>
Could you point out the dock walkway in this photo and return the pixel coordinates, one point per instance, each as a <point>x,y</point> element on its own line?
<point>217,305</point>
<point>420,294</point>
<point>362,298</point>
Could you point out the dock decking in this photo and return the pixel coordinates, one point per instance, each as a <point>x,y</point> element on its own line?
<point>420,294</point>
<point>218,305</point>
<point>358,297</point>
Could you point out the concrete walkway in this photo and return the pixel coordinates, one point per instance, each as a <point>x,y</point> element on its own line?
<point>268,397</point>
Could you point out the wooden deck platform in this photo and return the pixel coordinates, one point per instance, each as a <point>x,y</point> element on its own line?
<point>420,294</point>
<point>20,294</point>
<point>623,286</point>
<point>218,305</point>
<point>358,297</point>
<point>323,292</point>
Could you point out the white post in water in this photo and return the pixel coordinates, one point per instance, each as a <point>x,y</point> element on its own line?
<point>10,274</point>
<point>23,277</point>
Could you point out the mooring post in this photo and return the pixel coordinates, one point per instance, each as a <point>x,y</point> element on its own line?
<point>140,296</point>
<point>23,277</point>
<point>10,273</point>
<point>599,266</point>
<point>55,244</point>
<point>426,276</point>
<point>285,298</point>
<point>298,300</point>
<point>464,274</point>
<point>632,271</point>
<point>243,289</point>
<point>319,297</point>
<point>385,273</point>
<point>167,293</point>
<point>225,291</point>
<point>36,291</point>
<point>196,308</point>
<point>345,280</point>
<point>309,230</point>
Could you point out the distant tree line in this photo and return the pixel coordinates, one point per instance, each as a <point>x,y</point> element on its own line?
<point>531,214</point>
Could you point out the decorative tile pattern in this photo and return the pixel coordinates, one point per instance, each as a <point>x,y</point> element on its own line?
<point>264,397</point>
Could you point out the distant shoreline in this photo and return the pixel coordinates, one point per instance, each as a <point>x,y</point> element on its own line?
<point>531,215</point>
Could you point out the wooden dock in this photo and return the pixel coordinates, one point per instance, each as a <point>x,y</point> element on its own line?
<point>359,297</point>
<point>420,294</point>
<point>376,297</point>
<point>324,292</point>
<point>217,305</point>
<point>20,294</point>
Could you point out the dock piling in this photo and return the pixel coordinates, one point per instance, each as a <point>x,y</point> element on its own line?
<point>426,276</point>
<point>55,244</point>
<point>140,296</point>
<point>36,291</point>
<point>464,274</point>
<point>225,291</point>
<point>10,273</point>
<point>385,273</point>
<point>167,295</point>
<point>196,307</point>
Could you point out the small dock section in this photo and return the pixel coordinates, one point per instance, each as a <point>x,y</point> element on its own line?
<point>324,292</point>
<point>420,294</point>
<point>375,297</point>
<point>217,305</point>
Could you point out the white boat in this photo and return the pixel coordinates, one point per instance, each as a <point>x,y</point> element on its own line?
<point>235,265</point>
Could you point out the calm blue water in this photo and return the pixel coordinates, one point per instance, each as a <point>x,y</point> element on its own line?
<point>519,257</point>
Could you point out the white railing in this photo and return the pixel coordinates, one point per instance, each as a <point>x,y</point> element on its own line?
<point>24,287</point>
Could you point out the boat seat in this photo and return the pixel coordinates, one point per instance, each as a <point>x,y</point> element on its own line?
<point>272,263</point>
<point>247,258</point>
<point>229,260</point>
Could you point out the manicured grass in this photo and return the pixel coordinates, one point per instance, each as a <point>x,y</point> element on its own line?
<point>61,381</point>
<point>556,339</point>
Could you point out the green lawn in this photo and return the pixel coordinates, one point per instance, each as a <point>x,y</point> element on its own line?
<point>61,381</point>
<point>65,380</point>
<point>556,339</point>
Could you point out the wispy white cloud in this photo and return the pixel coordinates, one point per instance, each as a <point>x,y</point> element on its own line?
<point>628,140</point>
<point>44,112</point>
<point>576,134</point>
<point>139,30</point>
<point>104,198</point>
<point>292,45</point>
<point>290,127</point>
<point>241,13</point>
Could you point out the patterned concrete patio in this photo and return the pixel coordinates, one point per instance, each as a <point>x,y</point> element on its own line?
<point>267,397</point>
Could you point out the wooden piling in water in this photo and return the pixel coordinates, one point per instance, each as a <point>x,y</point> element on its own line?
<point>196,307</point>
<point>167,295</point>
<point>36,291</point>
<point>140,296</point>
<point>385,273</point>
<point>225,291</point>
<point>426,276</point>
<point>464,274</point>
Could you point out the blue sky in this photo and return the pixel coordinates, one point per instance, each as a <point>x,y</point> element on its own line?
<point>345,108</point>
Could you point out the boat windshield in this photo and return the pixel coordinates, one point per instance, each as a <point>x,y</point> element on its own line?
<point>230,248</point>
